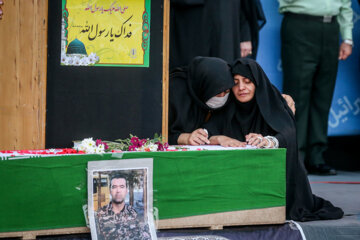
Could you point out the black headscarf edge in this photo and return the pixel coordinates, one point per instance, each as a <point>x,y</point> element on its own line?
<point>208,86</point>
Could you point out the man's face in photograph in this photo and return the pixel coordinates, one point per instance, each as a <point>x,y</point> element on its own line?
<point>118,190</point>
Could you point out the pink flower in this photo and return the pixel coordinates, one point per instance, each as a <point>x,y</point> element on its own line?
<point>160,146</point>
<point>98,142</point>
<point>132,148</point>
<point>142,142</point>
<point>135,141</point>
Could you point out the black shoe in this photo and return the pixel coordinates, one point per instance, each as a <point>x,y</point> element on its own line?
<point>322,169</point>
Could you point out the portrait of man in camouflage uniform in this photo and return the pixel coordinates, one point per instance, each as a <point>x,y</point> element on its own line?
<point>119,220</point>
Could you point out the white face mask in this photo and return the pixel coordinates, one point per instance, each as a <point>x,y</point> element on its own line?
<point>217,102</point>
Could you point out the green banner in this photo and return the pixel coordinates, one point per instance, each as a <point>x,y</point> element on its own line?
<point>49,192</point>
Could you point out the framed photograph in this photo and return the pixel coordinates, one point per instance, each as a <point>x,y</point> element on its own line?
<point>120,199</point>
<point>105,33</point>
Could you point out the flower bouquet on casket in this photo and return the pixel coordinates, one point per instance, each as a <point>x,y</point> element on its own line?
<point>133,143</point>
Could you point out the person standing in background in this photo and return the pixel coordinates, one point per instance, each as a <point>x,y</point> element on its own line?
<point>214,28</point>
<point>310,53</point>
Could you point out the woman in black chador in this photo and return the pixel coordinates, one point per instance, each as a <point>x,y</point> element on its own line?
<point>258,115</point>
<point>195,91</point>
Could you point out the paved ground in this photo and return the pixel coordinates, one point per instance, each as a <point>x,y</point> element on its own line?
<point>343,190</point>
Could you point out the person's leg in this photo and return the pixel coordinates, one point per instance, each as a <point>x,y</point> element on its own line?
<point>300,57</point>
<point>322,94</point>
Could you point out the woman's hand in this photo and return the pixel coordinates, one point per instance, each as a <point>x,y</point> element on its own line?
<point>290,102</point>
<point>226,141</point>
<point>197,137</point>
<point>257,140</point>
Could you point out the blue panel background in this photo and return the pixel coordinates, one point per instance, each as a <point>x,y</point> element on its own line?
<point>344,118</point>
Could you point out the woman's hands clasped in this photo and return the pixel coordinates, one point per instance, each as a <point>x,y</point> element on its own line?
<point>226,141</point>
<point>257,140</point>
<point>200,137</point>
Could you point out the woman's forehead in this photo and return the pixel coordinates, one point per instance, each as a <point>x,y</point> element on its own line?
<point>238,76</point>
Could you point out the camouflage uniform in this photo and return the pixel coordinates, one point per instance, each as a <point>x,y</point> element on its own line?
<point>124,225</point>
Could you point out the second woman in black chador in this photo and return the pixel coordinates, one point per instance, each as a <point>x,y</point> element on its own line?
<point>257,109</point>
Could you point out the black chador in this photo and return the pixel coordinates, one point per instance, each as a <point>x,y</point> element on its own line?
<point>213,28</point>
<point>268,114</point>
<point>190,88</point>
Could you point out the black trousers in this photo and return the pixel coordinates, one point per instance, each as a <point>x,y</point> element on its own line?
<point>309,52</point>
